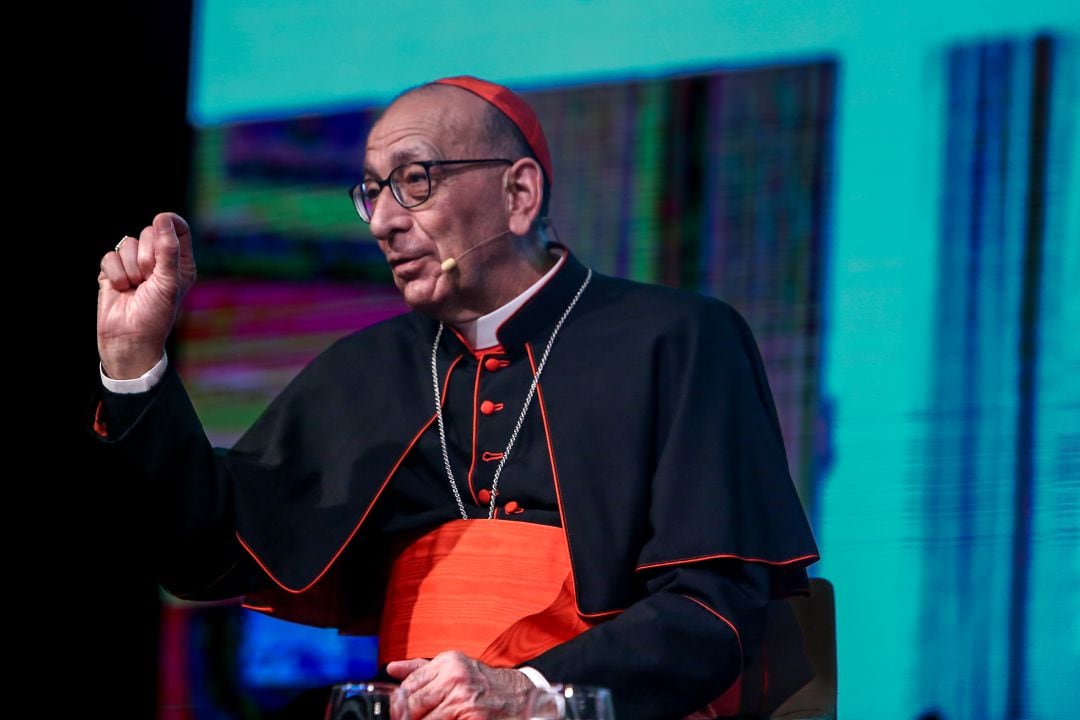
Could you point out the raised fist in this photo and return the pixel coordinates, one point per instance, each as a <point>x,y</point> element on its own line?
<point>140,287</point>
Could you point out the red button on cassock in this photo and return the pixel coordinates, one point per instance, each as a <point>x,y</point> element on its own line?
<point>492,364</point>
<point>487,407</point>
<point>484,496</point>
<point>511,507</point>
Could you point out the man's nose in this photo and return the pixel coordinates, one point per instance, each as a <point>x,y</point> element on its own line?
<point>387,215</point>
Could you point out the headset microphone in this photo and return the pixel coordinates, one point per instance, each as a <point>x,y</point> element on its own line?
<point>450,263</point>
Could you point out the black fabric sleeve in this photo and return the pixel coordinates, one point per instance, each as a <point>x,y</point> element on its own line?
<point>121,410</point>
<point>277,509</point>
<point>721,485</point>
<point>159,436</point>
<point>678,648</point>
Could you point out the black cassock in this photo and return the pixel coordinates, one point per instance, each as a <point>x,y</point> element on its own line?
<point>653,440</point>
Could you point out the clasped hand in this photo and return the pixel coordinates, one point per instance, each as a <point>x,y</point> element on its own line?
<point>453,685</point>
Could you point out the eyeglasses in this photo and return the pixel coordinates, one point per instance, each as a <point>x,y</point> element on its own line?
<point>410,184</point>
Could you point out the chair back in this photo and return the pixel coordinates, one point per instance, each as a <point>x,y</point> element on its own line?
<point>816,615</point>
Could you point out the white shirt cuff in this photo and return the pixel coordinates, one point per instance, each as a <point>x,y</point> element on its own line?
<point>136,385</point>
<point>536,677</point>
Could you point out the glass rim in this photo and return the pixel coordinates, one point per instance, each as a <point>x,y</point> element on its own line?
<point>370,685</point>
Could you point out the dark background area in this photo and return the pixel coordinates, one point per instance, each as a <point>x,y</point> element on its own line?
<point>111,121</point>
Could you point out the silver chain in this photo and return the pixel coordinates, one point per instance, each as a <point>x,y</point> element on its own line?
<point>521,417</point>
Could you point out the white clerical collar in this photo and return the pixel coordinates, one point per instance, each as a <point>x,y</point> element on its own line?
<point>480,333</point>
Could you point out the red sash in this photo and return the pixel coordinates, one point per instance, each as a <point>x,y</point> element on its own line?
<point>497,590</point>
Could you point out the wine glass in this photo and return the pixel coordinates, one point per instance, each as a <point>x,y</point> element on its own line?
<point>367,701</point>
<point>570,702</point>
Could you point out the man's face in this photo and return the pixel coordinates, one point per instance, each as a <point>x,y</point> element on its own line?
<point>466,204</point>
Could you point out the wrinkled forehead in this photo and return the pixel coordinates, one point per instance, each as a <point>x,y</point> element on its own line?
<point>429,123</point>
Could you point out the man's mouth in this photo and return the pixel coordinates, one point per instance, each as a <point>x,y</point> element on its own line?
<point>407,265</point>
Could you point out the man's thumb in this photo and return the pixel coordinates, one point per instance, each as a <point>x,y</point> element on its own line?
<point>166,244</point>
<point>401,669</point>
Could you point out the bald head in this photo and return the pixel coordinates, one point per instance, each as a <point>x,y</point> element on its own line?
<point>447,115</point>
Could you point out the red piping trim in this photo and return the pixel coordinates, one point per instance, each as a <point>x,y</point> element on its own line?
<point>481,353</point>
<point>601,614</point>
<point>726,556</point>
<point>99,424</point>
<point>477,353</point>
<point>367,510</point>
<point>735,630</point>
<point>257,608</point>
<point>466,343</point>
<point>446,383</point>
<point>475,412</point>
<point>558,490</point>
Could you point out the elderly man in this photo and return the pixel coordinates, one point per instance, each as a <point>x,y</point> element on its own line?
<point>540,474</point>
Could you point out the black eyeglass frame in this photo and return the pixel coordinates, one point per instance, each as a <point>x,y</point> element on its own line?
<point>365,205</point>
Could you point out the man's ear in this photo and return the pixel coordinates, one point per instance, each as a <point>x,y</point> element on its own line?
<point>524,195</point>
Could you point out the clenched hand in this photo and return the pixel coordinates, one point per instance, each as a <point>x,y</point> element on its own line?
<point>140,287</point>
